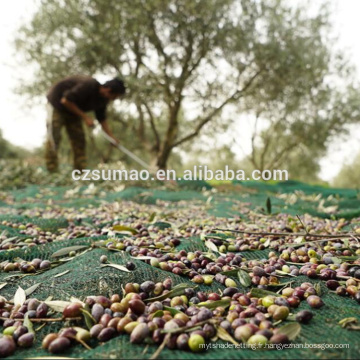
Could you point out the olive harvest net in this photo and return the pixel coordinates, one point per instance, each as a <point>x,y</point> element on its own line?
<point>83,276</point>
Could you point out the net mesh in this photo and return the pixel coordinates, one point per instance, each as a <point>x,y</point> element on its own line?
<point>83,275</point>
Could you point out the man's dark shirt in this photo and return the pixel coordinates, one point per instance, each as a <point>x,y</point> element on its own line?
<point>83,91</point>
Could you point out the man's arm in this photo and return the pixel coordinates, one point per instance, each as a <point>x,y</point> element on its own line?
<point>106,128</point>
<point>75,110</point>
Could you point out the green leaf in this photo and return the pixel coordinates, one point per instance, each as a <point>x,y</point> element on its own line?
<point>172,310</point>
<point>143,257</point>
<point>348,321</point>
<point>214,304</point>
<point>61,274</point>
<point>268,205</point>
<point>57,305</point>
<point>125,229</point>
<point>290,330</point>
<point>284,273</point>
<point>260,293</point>
<point>210,245</point>
<point>176,291</point>
<point>74,299</point>
<point>318,289</point>
<point>2,285</point>
<point>28,324</point>
<point>116,266</point>
<point>20,297</point>
<point>52,358</point>
<point>67,250</point>
<point>222,334</point>
<point>158,313</point>
<point>31,289</point>
<point>267,243</point>
<point>233,272</point>
<point>89,319</point>
<point>336,260</point>
<point>244,278</point>
<point>152,217</point>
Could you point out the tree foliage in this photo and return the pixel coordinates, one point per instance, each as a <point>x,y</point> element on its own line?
<point>8,150</point>
<point>186,61</point>
<point>349,175</point>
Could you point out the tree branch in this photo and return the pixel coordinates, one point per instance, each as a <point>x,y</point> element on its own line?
<point>236,95</point>
<point>153,127</point>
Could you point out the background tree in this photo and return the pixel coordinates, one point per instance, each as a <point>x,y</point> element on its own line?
<point>349,175</point>
<point>186,61</point>
<point>10,151</point>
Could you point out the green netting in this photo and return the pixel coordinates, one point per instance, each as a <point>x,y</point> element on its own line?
<point>85,277</point>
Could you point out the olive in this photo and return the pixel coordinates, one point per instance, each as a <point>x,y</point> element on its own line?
<point>137,306</point>
<point>352,270</point>
<point>159,288</point>
<point>45,264</point>
<point>9,330</point>
<point>268,300</point>
<point>167,284</point>
<point>155,306</point>
<point>140,332</point>
<point>130,265</point>
<point>157,336</point>
<point>36,263</point>
<point>332,284</point>
<point>9,267</point>
<point>104,320</point>
<point>26,340</point>
<point>287,291</point>
<point>265,332</point>
<point>279,339</point>
<point>170,325</point>
<point>48,339</point>
<point>209,331</point>
<point>204,314</point>
<point>357,274</point>
<point>196,343</point>
<point>130,326</point>
<point>182,342</point>
<point>103,259</point>
<point>304,316</point>
<point>281,313</point>
<point>41,311</point>
<point>97,312</point>
<point>103,301</point>
<point>72,310</point>
<point>59,345</point>
<point>315,301</point>
<point>229,291</point>
<point>352,290</point>
<point>293,301</point>
<point>95,330</point>
<point>281,301</point>
<point>106,334</point>
<point>114,322</point>
<point>118,307</point>
<point>83,335</point>
<point>123,322</point>
<point>258,271</point>
<point>7,346</point>
<point>243,333</point>
<point>259,340</point>
<point>21,330</point>
<point>198,279</point>
<point>341,290</point>
<point>230,283</point>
